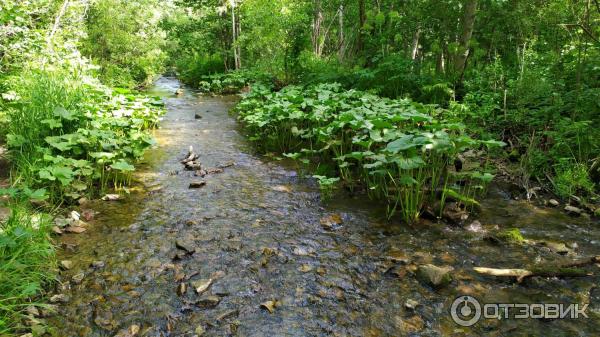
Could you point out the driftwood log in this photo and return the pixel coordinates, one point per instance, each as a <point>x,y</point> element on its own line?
<point>565,270</point>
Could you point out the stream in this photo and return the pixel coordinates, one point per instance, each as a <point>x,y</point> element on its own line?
<point>253,235</point>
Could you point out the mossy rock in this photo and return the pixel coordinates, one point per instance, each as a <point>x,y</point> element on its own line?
<point>512,235</point>
<point>434,276</point>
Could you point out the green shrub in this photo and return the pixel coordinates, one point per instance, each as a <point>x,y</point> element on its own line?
<point>192,68</point>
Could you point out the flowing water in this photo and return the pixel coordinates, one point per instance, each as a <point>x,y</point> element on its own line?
<point>256,232</point>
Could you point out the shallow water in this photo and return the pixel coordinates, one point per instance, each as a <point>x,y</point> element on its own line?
<point>256,231</point>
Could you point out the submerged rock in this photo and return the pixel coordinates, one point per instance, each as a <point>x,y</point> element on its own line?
<point>208,302</point>
<point>66,264</point>
<point>186,244</point>
<point>132,331</point>
<point>200,286</point>
<point>331,221</point>
<point>197,184</point>
<point>60,298</point>
<point>573,210</point>
<point>433,275</point>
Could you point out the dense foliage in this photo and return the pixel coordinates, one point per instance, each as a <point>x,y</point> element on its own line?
<point>525,72</point>
<point>399,150</point>
<point>68,134</point>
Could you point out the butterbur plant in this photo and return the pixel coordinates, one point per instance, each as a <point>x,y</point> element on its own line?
<point>88,136</point>
<point>398,149</point>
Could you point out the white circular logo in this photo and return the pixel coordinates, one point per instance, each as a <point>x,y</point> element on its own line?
<point>465,310</point>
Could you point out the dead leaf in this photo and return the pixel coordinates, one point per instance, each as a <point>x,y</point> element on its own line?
<point>270,305</point>
<point>282,188</point>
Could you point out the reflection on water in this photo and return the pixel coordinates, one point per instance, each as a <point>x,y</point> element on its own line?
<point>258,241</point>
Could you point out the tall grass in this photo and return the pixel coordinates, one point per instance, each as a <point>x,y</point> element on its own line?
<point>27,264</point>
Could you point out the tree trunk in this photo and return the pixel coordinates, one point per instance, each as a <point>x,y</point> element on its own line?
<point>341,42</point>
<point>468,23</point>
<point>317,23</point>
<point>415,44</point>
<point>362,16</point>
<point>234,29</point>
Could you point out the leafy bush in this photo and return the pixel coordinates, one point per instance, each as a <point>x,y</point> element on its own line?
<point>192,68</point>
<point>398,149</point>
<point>232,82</point>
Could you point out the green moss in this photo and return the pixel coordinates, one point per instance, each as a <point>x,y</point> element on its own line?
<point>512,235</point>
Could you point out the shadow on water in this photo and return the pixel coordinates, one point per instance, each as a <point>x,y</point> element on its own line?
<point>254,231</point>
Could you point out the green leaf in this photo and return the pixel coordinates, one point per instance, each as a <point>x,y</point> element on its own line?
<point>403,143</point>
<point>123,166</point>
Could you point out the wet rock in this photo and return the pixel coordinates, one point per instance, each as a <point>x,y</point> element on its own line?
<point>270,305</point>
<point>98,264</point>
<point>199,331</point>
<point>454,213</point>
<point>181,289</point>
<point>331,222</point>
<point>186,244</point>
<point>303,251</point>
<point>282,188</point>
<point>433,275</point>
<point>397,256</point>
<point>104,319</point>
<point>60,298</point>
<point>572,210</point>
<point>78,278</point>
<point>553,203</point>
<point>411,304</point>
<point>208,302</point>
<point>227,314</point>
<point>4,214</point>
<point>193,166</point>
<point>88,214</point>
<point>66,264</point>
<point>75,215</point>
<point>475,227</point>
<point>201,286</point>
<point>132,331</point>
<point>556,247</point>
<point>214,171</point>
<point>75,229</point>
<point>197,184</point>
<point>111,197</point>
<point>410,325</point>
<point>226,165</point>
<point>305,268</point>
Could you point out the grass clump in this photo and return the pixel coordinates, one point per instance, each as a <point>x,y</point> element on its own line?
<point>76,139</point>
<point>27,265</point>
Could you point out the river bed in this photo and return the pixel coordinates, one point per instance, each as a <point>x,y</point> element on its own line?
<point>256,238</point>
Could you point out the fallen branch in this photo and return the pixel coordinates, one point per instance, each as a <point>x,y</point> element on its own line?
<point>566,270</point>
